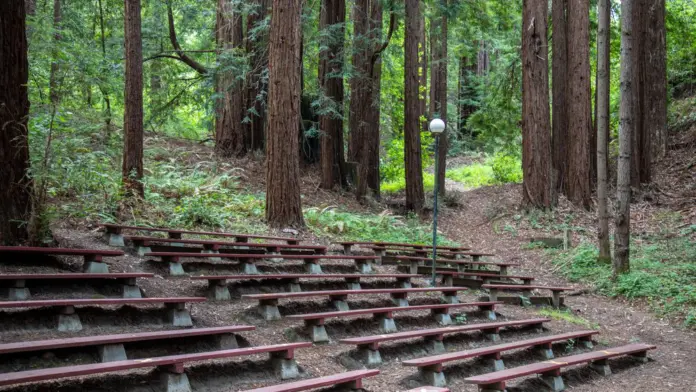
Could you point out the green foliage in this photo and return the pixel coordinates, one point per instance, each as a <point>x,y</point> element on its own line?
<point>662,272</point>
<point>568,316</point>
<point>506,169</point>
<point>473,176</point>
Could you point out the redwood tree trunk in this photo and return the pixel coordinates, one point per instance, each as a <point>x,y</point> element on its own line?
<point>560,99</point>
<point>626,128</point>
<point>283,203</point>
<point>133,114</point>
<point>15,185</point>
<point>415,196</point>
<point>438,86</point>
<point>257,88</point>
<point>579,104</point>
<point>655,89</point>
<point>373,117</point>
<point>537,187</point>
<point>332,22</point>
<point>53,76</point>
<point>603,67</point>
<point>640,144</point>
<point>229,130</point>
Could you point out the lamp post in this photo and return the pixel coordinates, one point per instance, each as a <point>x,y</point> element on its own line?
<point>437,126</point>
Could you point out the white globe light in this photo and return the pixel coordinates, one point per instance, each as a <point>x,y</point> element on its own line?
<point>437,126</point>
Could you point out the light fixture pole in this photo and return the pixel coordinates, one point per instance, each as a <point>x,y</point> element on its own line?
<point>437,126</point>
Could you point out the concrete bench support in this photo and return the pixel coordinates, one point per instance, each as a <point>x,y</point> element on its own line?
<point>19,291</point>
<point>174,379</point>
<point>317,331</point>
<point>339,302</point>
<point>364,266</point>
<point>217,289</point>
<point>112,352</point>
<point>249,267</point>
<point>353,283</point>
<point>95,265</point>
<point>442,316</point>
<point>433,375</point>
<point>178,315</point>
<point>114,239</point>
<point>369,354</point>
<point>130,289</point>
<point>553,380</point>
<point>284,364</point>
<point>68,320</point>
<point>268,309</point>
<point>601,367</point>
<point>386,322</point>
<point>399,299</point>
<point>435,344</point>
<point>312,266</point>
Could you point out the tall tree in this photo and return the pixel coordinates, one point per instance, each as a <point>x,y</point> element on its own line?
<point>559,64</point>
<point>229,87</point>
<point>626,128</point>
<point>332,27</point>
<point>640,172</point>
<point>538,190</point>
<point>655,90</point>
<point>579,104</point>
<point>415,196</point>
<point>603,66</point>
<point>30,7</point>
<point>283,203</point>
<point>133,95</point>
<point>104,66</point>
<point>15,184</point>
<point>53,76</point>
<point>438,84</point>
<point>257,88</point>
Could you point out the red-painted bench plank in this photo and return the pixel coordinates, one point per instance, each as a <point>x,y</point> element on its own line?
<point>393,309</point>
<point>400,244</point>
<point>146,241</point>
<point>304,276</point>
<point>429,389</point>
<point>484,274</point>
<point>258,256</point>
<point>109,367</point>
<point>86,275</point>
<point>320,382</point>
<point>84,341</point>
<point>518,287</point>
<point>98,301</point>
<point>499,378</point>
<point>116,228</point>
<point>59,251</point>
<point>323,293</point>
<point>455,261</point>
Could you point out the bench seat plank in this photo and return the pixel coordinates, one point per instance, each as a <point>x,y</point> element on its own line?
<point>223,244</point>
<point>109,367</point>
<point>85,275</point>
<point>98,301</point>
<point>117,229</point>
<point>358,312</point>
<point>352,292</point>
<point>319,382</point>
<point>556,299</point>
<point>303,276</point>
<point>429,389</point>
<point>518,287</point>
<point>59,251</point>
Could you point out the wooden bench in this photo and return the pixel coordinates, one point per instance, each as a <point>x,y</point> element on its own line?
<point>392,251</point>
<point>441,312</point>
<point>69,321</point>
<point>526,290</point>
<point>171,367</point>
<point>422,265</point>
<point>20,292</point>
<point>368,346</point>
<point>348,380</point>
<point>217,284</point>
<point>144,245</point>
<point>362,263</point>
<point>113,234</point>
<point>428,389</point>
<point>268,303</point>
<point>550,371</point>
<point>112,347</point>
<point>93,258</point>
<point>348,245</point>
<point>476,279</point>
<point>431,367</point>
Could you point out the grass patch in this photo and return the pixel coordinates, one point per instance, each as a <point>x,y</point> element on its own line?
<point>473,176</point>
<point>662,273</point>
<point>398,185</point>
<point>568,316</point>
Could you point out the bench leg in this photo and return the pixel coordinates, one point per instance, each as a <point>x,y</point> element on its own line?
<point>442,316</point>
<point>433,375</point>
<point>95,267</point>
<point>178,316</point>
<point>492,295</point>
<point>489,311</point>
<point>586,342</point>
<point>495,361</point>
<point>129,289</point>
<point>268,309</point>
<point>492,334</point>
<point>553,380</point>
<point>346,249</point>
<point>544,351</point>
<point>294,286</point>
<point>284,366</point>
<point>434,344</point>
<point>114,239</point>
<point>404,283</point>
<point>217,290</point>
<point>312,268</point>
<point>250,268</point>
<point>356,385</point>
<point>68,320</point>
<point>112,352</point>
<point>174,379</point>
<point>317,331</point>
<point>339,302</point>
<point>450,298</point>
<point>413,268</point>
<point>226,341</point>
<point>641,357</point>
<point>448,280</point>
<point>176,269</point>
<point>370,355</point>
<point>19,291</point>
<point>503,270</point>
<point>364,266</point>
<point>399,299</point>
<point>212,252</point>
<point>386,323</point>
<point>353,283</point>
<point>601,367</point>
<point>556,299</point>
<point>495,387</point>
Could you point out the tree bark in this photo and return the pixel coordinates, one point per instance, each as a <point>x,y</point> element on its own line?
<point>655,89</point>
<point>30,7</point>
<point>538,190</point>
<point>467,93</point>
<point>102,86</point>
<point>332,24</point>
<point>283,203</point>
<point>641,145</point>
<point>133,96</point>
<point>415,196</point>
<point>15,184</point>
<point>626,128</point>
<point>560,99</point>
<point>579,104</point>
<point>603,68</point>
<point>373,109</point>
<point>229,87</point>
<point>53,76</point>
<point>257,86</point>
<point>438,86</point>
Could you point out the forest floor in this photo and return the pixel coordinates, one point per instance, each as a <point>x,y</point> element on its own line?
<point>487,219</point>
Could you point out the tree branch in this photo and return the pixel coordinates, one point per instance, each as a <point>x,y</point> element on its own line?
<point>198,67</point>
<point>383,47</point>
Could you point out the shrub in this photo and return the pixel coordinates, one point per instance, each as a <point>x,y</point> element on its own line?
<point>506,169</point>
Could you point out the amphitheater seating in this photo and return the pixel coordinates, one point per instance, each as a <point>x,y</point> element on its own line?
<point>93,258</point>
<point>217,284</point>
<point>348,245</point>
<point>268,303</point>
<point>429,389</point>
<point>146,244</point>
<point>69,321</point>
<point>421,265</point>
<point>113,232</point>
<point>476,279</point>
<point>441,312</point>
<point>550,370</point>
<point>20,292</point>
<point>368,346</point>
<point>350,380</point>
<point>431,367</point>
<point>171,366</point>
<point>111,347</point>
<point>526,290</point>
<point>362,263</point>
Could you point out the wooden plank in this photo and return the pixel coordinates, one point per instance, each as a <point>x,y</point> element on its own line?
<point>109,367</point>
<point>352,292</point>
<point>83,341</point>
<point>59,251</point>
<point>413,308</point>
<point>483,274</point>
<point>259,256</point>
<point>519,287</point>
<point>223,243</point>
<point>438,331</point>
<point>303,276</point>
<point>208,233</point>
<point>558,363</point>
<point>319,382</point>
<point>98,301</point>
<point>455,261</point>
<point>429,389</point>
<point>76,276</point>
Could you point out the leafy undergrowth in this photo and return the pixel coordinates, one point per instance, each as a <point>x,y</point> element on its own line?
<point>568,316</point>
<point>662,272</point>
